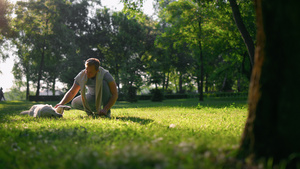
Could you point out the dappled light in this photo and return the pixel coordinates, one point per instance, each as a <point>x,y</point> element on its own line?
<point>135,136</point>
<point>194,84</point>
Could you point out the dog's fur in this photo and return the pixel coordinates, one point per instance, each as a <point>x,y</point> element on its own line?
<point>45,110</point>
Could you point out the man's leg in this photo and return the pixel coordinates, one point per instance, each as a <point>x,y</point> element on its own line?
<point>77,102</point>
<point>106,95</point>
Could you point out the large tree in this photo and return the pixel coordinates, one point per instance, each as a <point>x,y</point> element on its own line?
<point>49,36</point>
<point>243,30</point>
<point>34,24</point>
<point>123,43</point>
<point>4,27</point>
<point>186,20</point>
<point>272,127</point>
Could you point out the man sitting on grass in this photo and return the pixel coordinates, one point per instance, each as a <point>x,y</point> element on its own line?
<point>102,90</point>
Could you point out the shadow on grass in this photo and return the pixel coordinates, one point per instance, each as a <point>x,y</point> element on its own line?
<point>135,120</point>
<point>216,102</point>
<point>15,107</point>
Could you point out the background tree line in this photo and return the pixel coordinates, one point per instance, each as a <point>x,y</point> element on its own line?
<point>191,42</point>
<point>191,46</point>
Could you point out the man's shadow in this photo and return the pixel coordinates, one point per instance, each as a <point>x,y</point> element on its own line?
<point>135,120</point>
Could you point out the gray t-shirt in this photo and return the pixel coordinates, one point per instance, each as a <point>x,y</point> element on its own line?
<point>91,83</point>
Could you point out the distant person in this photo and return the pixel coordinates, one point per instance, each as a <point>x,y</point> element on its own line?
<point>102,90</point>
<point>2,94</point>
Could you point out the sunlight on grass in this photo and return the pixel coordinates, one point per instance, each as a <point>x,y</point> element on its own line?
<point>169,134</point>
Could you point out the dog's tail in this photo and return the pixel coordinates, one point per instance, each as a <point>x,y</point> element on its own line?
<point>25,112</point>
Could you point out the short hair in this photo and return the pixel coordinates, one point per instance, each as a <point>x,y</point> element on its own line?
<point>93,61</point>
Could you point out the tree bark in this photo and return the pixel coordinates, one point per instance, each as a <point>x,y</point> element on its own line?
<point>201,63</point>
<point>53,86</point>
<point>224,82</point>
<point>180,83</point>
<point>244,71</point>
<point>40,72</point>
<point>27,87</point>
<point>41,64</point>
<point>206,83</point>
<point>243,30</point>
<point>239,84</point>
<point>175,82</point>
<point>117,79</point>
<point>272,127</point>
<point>167,82</point>
<point>164,82</point>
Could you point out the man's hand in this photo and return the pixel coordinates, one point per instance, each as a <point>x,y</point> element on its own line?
<point>103,112</point>
<point>57,105</point>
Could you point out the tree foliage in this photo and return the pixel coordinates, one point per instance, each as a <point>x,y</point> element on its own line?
<point>45,37</point>
<point>191,44</point>
<point>222,48</point>
<point>5,33</point>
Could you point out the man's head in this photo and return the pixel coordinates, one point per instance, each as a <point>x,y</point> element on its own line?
<point>91,67</point>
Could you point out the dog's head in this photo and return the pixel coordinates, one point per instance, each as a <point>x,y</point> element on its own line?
<point>60,109</point>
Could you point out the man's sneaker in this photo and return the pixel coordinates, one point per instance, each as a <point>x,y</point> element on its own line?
<point>108,115</point>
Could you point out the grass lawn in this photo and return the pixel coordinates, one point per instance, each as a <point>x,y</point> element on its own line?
<point>170,134</point>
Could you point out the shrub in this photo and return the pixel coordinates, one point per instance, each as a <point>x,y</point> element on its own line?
<point>131,95</point>
<point>145,97</point>
<point>157,95</point>
<point>121,97</point>
<point>45,98</point>
<point>176,96</point>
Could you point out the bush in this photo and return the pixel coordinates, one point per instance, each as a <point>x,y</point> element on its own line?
<point>194,95</point>
<point>145,97</point>
<point>131,95</point>
<point>121,97</point>
<point>176,96</point>
<point>157,95</point>
<point>226,94</point>
<point>169,91</point>
<point>45,98</point>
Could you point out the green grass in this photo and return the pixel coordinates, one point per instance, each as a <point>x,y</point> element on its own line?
<point>169,134</point>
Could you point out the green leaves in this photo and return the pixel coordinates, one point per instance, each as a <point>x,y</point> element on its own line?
<point>46,38</point>
<point>137,50</point>
<point>124,44</point>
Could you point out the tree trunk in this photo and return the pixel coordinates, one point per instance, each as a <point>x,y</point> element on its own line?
<point>201,63</point>
<point>239,84</point>
<point>180,83</point>
<point>206,83</point>
<point>243,30</point>
<point>175,82</point>
<point>27,88</point>
<point>41,64</point>
<point>198,83</point>
<point>117,79</point>
<point>53,87</point>
<point>40,72</point>
<point>224,83</point>
<point>244,71</point>
<point>201,75</point>
<point>167,82</point>
<point>272,127</point>
<point>164,82</point>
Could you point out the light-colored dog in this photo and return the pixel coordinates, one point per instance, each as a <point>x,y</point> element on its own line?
<point>45,110</point>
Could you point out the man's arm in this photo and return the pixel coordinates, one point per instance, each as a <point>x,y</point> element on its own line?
<point>69,95</point>
<point>113,89</point>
